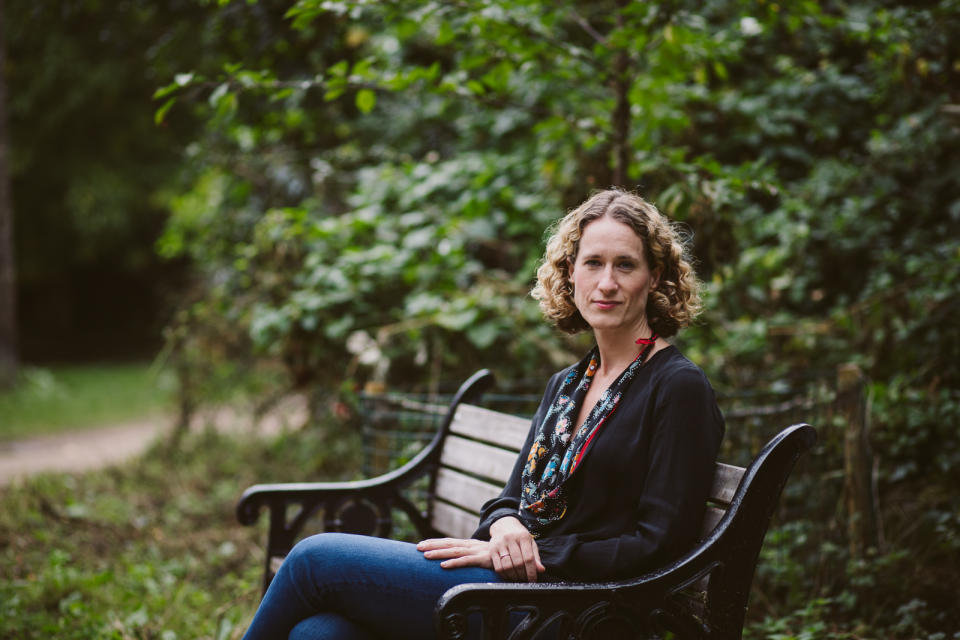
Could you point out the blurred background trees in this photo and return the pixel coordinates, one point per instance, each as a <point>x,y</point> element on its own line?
<point>334,192</point>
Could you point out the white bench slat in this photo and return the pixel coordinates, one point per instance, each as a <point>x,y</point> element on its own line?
<point>478,458</point>
<point>726,479</point>
<point>452,521</point>
<point>464,491</point>
<point>497,428</point>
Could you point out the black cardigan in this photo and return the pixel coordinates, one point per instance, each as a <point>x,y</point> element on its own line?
<point>638,498</point>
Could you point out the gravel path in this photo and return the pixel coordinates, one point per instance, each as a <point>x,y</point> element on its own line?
<point>79,450</point>
<point>87,449</point>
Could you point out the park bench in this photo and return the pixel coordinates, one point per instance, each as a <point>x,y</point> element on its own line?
<point>701,595</point>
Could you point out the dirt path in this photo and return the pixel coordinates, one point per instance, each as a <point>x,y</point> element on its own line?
<point>88,449</point>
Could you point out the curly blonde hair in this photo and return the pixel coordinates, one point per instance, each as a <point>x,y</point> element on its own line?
<point>675,301</point>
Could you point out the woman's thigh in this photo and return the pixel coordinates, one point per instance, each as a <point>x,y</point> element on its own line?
<point>384,586</point>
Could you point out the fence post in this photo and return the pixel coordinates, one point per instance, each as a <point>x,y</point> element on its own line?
<point>858,460</point>
<point>378,460</point>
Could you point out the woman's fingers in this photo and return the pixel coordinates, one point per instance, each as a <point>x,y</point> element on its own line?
<point>500,559</point>
<point>474,560</point>
<point>531,561</point>
<point>513,563</point>
<point>520,563</point>
<point>457,552</point>
<point>536,557</point>
<point>439,543</point>
<point>447,552</point>
<point>508,571</point>
<point>516,562</point>
<point>450,547</point>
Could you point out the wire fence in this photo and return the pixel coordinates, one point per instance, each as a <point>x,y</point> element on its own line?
<point>397,425</point>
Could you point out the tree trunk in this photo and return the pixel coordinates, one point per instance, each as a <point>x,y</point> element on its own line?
<point>8,279</point>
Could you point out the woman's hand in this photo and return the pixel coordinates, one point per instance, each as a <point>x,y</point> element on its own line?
<point>515,550</point>
<point>511,552</point>
<point>457,552</point>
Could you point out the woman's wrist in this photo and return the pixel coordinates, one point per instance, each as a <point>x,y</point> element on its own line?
<point>506,524</point>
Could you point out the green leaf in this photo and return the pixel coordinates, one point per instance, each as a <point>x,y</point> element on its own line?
<point>476,87</point>
<point>366,100</point>
<point>163,92</point>
<point>457,320</point>
<point>333,93</point>
<point>218,94</point>
<point>161,113</point>
<point>483,335</point>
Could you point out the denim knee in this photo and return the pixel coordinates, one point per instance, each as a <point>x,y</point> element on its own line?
<point>310,555</point>
<point>328,626</point>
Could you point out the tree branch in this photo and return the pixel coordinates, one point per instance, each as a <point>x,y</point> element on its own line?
<point>586,26</point>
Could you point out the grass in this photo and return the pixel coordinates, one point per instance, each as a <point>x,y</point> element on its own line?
<point>61,398</point>
<point>150,549</point>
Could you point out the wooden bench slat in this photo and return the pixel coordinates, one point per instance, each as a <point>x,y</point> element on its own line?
<point>711,517</point>
<point>463,490</point>
<point>726,479</point>
<point>478,459</point>
<point>497,428</point>
<point>453,521</point>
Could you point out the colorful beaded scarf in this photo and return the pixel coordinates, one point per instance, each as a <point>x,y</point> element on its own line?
<point>556,452</point>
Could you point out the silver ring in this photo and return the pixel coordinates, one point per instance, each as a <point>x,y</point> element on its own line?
<point>504,555</point>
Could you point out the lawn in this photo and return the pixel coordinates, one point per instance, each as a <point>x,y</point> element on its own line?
<point>150,549</point>
<point>64,397</point>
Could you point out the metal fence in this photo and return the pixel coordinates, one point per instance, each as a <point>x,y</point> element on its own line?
<point>397,425</point>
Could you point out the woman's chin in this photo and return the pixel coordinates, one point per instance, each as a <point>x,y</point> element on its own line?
<point>605,324</point>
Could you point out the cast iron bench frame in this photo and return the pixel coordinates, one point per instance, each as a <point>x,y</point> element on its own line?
<point>701,595</point>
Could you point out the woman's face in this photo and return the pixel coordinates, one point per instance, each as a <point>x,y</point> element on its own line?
<point>611,279</point>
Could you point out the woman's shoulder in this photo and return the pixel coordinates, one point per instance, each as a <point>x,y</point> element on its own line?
<point>673,370</point>
<point>680,387</point>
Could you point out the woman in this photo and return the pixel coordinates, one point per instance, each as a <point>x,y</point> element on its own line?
<point>617,464</point>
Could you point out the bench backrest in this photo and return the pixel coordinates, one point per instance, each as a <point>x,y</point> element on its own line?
<point>478,455</point>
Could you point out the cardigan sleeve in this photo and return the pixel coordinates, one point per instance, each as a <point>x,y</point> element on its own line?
<point>677,476</point>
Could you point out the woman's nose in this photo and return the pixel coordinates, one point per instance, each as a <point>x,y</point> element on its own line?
<point>607,281</point>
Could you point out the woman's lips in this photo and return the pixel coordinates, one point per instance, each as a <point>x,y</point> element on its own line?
<point>605,304</point>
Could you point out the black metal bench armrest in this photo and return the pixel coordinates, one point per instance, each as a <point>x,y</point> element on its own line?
<point>347,506</point>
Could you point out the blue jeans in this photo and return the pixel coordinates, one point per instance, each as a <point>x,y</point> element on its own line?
<point>343,586</point>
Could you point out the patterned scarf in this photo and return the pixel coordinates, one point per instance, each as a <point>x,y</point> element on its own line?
<point>556,452</point>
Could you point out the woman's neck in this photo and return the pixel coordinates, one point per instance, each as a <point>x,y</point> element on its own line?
<point>619,348</point>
